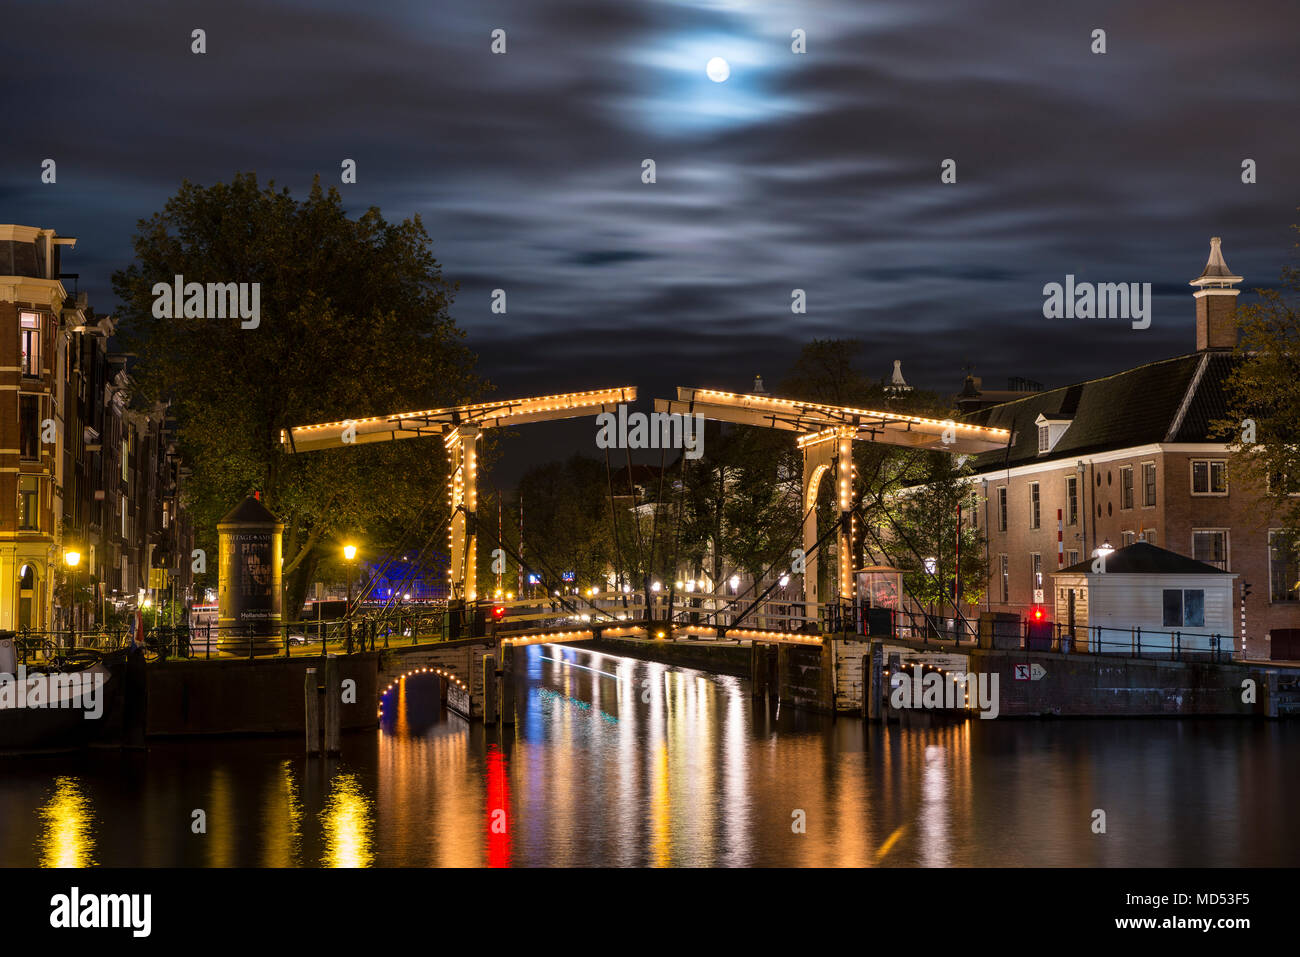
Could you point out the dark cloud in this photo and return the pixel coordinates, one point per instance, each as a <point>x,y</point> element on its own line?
<point>605,257</point>
<point>818,172</point>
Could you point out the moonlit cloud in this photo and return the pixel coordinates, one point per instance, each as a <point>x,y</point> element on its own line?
<point>818,171</point>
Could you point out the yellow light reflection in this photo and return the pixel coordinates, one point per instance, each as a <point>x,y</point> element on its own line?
<point>68,836</point>
<point>347,825</point>
<point>282,831</point>
<point>660,809</point>
<point>889,844</point>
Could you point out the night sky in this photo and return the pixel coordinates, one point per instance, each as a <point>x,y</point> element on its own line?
<point>817,171</point>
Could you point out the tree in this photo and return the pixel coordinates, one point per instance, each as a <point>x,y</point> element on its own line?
<point>912,519</point>
<point>566,521</point>
<point>909,501</point>
<point>825,372</point>
<point>354,321</point>
<point>1263,401</point>
<point>764,512</point>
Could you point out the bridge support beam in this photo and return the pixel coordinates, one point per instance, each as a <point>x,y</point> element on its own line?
<point>462,449</point>
<point>830,449</point>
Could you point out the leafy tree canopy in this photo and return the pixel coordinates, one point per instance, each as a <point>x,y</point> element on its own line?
<point>1263,398</point>
<point>354,321</point>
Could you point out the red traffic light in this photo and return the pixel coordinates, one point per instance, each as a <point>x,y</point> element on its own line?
<point>1038,613</point>
<point>498,612</point>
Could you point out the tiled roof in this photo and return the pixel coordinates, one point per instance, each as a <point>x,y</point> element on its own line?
<point>1209,401</point>
<point>248,511</point>
<point>1135,407</point>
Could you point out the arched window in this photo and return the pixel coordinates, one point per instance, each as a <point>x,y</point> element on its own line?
<point>26,577</point>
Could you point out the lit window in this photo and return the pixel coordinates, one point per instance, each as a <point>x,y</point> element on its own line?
<point>1148,484</point>
<point>1209,477</point>
<point>1210,545</point>
<point>29,501</point>
<point>30,329</point>
<point>1283,566</point>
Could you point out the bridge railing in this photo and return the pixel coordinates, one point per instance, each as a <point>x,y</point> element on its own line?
<point>1133,642</point>
<point>776,615</point>
<point>365,630</point>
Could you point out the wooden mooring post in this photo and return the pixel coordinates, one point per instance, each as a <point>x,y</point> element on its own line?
<point>489,689</point>
<point>333,701</point>
<point>506,676</point>
<point>311,699</point>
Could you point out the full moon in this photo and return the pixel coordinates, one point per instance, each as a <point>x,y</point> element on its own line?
<point>718,70</point>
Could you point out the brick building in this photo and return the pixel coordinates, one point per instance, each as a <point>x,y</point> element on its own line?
<point>1130,457</point>
<point>80,470</point>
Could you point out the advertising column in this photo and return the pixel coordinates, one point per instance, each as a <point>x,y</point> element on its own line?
<point>249,580</point>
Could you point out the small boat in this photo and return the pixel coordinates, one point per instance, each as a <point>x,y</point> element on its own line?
<point>63,706</point>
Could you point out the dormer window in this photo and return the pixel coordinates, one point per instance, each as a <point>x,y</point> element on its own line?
<point>1050,431</point>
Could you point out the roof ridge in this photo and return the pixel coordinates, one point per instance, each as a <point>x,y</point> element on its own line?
<point>1186,404</point>
<point>1083,382</point>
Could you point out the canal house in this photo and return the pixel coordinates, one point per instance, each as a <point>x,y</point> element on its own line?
<point>1131,456</point>
<point>1145,600</point>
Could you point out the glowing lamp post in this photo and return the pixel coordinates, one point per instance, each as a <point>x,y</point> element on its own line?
<point>72,559</point>
<point>349,555</point>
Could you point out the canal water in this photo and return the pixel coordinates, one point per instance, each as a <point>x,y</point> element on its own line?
<point>623,762</point>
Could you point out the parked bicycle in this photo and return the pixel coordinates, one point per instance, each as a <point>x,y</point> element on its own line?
<point>30,646</point>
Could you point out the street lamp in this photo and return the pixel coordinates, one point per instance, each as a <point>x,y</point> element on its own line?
<point>72,559</point>
<point>349,553</point>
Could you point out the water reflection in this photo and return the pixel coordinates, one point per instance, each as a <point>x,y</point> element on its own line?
<point>346,824</point>
<point>620,762</point>
<point>282,846</point>
<point>67,836</point>
<point>498,808</point>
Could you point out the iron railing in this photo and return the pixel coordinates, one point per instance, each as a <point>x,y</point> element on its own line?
<point>1134,641</point>
<point>368,631</point>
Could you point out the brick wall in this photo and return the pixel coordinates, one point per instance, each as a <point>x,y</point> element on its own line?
<point>1102,517</point>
